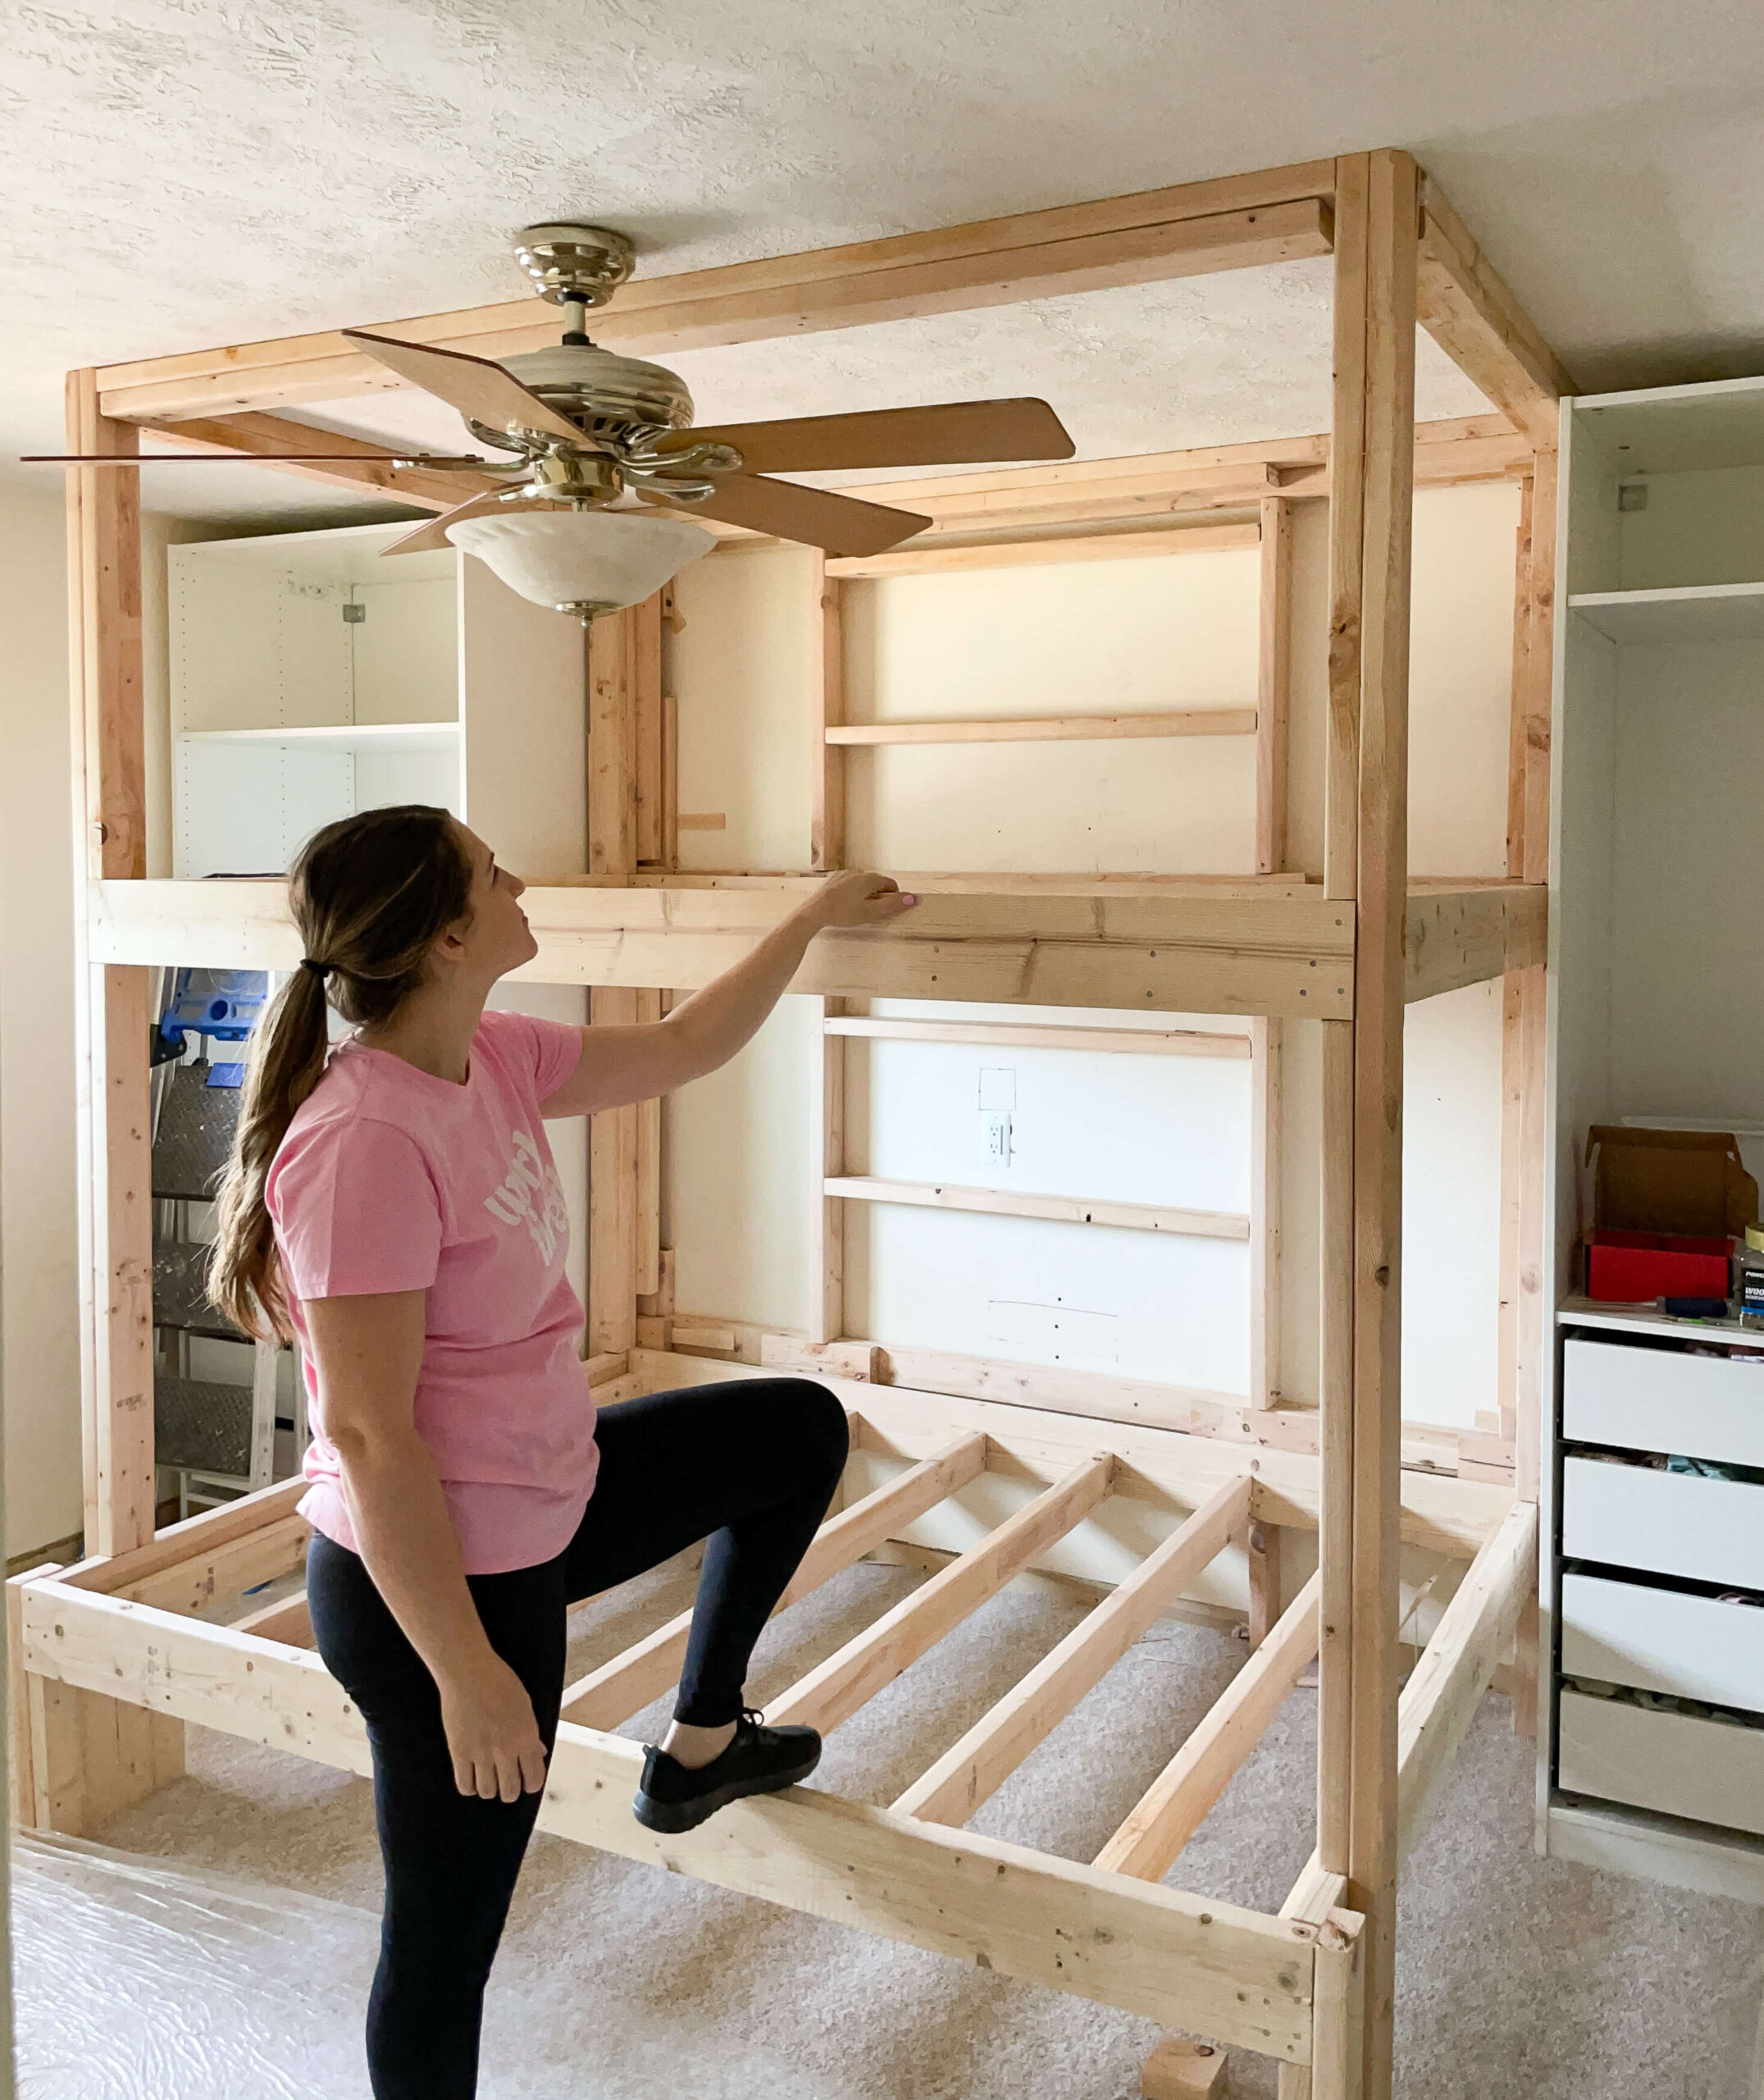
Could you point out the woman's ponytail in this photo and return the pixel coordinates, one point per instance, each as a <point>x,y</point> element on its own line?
<point>370,896</point>
<point>287,1061</point>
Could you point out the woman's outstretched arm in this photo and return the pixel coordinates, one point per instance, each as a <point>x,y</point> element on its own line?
<point>621,1065</point>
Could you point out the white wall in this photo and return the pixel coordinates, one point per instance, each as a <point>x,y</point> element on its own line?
<point>38,1240</point>
<point>1103,637</point>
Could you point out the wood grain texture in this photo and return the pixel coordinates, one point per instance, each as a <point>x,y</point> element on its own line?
<point>1392,206</point>
<point>835,1690</point>
<point>1468,310</point>
<point>1273,683</point>
<point>973,1769</point>
<point>1060,1210</point>
<point>1054,729</point>
<point>1237,221</point>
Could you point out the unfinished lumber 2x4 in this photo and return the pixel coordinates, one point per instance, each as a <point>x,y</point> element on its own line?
<point>1060,1210</point>
<point>1054,728</point>
<point>975,1767</point>
<point>1177,1803</point>
<point>612,1694</point>
<point>834,1691</point>
<point>1388,292</point>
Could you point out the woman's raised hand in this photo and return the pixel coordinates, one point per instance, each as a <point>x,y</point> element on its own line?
<point>853,898</point>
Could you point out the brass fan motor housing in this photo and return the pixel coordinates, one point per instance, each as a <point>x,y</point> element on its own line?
<point>615,400</point>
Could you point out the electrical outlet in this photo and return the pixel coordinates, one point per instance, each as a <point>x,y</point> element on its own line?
<point>994,1135</point>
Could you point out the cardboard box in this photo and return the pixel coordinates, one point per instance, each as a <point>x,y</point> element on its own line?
<point>1667,1206</point>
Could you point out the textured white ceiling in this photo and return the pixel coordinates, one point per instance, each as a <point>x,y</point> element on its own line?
<point>177,173</point>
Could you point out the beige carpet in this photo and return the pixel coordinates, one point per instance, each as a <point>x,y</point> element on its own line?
<point>229,1954</point>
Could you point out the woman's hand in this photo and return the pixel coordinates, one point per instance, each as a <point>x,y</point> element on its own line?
<point>494,1741</point>
<point>854,898</point>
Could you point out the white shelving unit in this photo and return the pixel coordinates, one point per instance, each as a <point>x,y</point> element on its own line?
<point>1650,1764</point>
<point>312,677</point>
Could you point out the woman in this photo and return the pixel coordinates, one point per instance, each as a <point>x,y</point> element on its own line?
<point>394,1207</point>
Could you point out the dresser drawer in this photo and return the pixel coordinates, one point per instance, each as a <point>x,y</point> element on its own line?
<point>1673,1764</point>
<point>1663,1641</point>
<point>1641,1399</point>
<point>1711,1530</point>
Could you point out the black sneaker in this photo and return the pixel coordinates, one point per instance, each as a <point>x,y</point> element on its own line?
<point>671,1797</point>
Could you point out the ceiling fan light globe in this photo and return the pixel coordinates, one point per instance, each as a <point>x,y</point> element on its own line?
<point>570,559</point>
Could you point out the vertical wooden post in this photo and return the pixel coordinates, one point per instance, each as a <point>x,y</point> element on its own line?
<point>613,652</point>
<point>1340,876</point>
<point>826,851</point>
<point>827,827</point>
<point>80,1756</point>
<point>648,732</point>
<point>616,1270</point>
<point>1273,684</point>
<point>1335,1531</point>
<point>1523,1337</point>
<point>111,1017</point>
<point>1264,1211</point>
<point>1381,915</point>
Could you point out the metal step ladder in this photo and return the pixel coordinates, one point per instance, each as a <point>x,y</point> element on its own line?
<point>218,1435</point>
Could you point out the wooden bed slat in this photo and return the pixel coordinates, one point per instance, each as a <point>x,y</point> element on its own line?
<point>834,1691</point>
<point>977,1765</point>
<point>625,1686</point>
<point>1177,1803</point>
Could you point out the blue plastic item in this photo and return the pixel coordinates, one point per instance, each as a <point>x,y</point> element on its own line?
<point>223,1004</point>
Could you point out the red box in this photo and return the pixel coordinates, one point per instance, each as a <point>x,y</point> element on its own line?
<point>1629,1268</point>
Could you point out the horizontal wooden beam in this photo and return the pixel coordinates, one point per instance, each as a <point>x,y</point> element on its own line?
<point>1184,953</point>
<point>1153,487</point>
<point>1439,1512</point>
<point>195,1541</point>
<point>1052,728</point>
<point>1129,543</point>
<point>835,1690</point>
<point>287,1620</point>
<point>973,1770</point>
<point>1440,1700</point>
<point>1463,304</point>
<point>986,882</point>
<point>1458,937</point>
<point>1235,222</point>
<point>1056,1210</point>
<point>426,487</point>
<point>610,1694</point>
<point>1183,1961</point>
<point>1043,1035</point>
<point>1179,1800</point>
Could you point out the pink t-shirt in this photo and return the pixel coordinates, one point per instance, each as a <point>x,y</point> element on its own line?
<point>389,1178</point>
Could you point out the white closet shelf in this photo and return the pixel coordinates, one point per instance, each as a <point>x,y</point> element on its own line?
<point>339,736</point>
<point>1708,612</point>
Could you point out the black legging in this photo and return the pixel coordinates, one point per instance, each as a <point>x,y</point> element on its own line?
<point>751,1467</point>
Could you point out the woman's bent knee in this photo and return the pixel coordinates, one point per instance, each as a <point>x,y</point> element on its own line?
<point>821,1419</point>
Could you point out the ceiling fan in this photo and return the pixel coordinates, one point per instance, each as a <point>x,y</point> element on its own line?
<point>600,442</point>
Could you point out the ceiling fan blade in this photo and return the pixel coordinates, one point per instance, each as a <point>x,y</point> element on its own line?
<point>819,518</point>
<point>481,391</point>
<point>948,434</point>
<point>433,534</point>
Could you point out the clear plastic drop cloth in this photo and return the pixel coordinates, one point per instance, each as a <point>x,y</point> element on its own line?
<point>139,1979</point>
<point>143,1979</point>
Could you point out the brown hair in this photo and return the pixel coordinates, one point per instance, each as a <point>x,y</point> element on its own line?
<point>370,896</point>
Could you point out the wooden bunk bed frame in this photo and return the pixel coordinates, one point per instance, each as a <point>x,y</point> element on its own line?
<point>109,1659</point>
